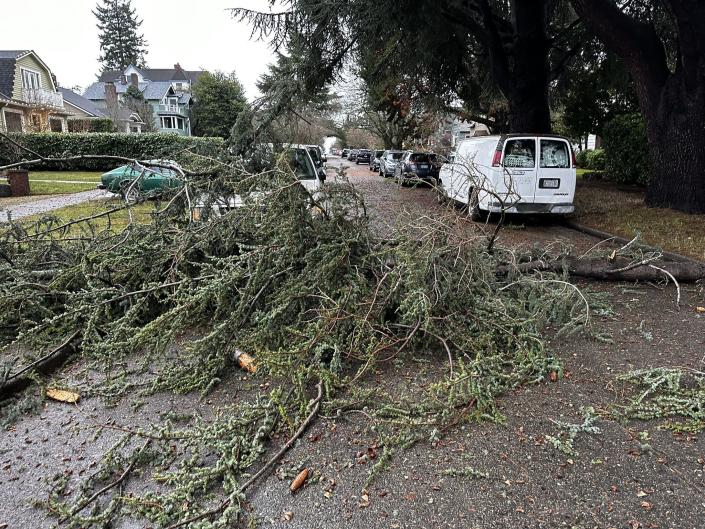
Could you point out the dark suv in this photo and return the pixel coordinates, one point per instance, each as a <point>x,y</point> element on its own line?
<point>363,156</point>
<point>416,166</point>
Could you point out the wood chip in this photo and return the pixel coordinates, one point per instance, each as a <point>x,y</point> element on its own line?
<point>246,362</point>
<point>299,480</point>
<point>63,395</point>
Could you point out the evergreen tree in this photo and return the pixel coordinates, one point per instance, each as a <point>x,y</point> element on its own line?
<point>219,99</point>
<point>121,44</point>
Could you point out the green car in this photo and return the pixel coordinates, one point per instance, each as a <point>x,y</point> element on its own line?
<point>154,181</point>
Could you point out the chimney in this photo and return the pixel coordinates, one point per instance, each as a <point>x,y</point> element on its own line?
<point>134,80</point>
<point>177,66</point>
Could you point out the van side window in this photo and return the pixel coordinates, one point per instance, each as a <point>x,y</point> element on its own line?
<point>554,154</point>
<point>520,153</point>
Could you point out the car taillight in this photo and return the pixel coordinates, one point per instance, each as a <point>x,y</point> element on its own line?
<point>497,159</point>
<point>575,160</point>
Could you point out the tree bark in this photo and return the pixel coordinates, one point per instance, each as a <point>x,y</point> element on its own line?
<point>685,272</point>
<point>672,102</point>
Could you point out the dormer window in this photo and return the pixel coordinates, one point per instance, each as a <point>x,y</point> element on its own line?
<point>31,80</point>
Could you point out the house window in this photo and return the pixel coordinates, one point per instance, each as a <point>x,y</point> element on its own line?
<point>173,101</point>
<point>30,80</point>
<point>13,121</point>
<point>179,86</point>
<point>55,125</point>
<point>168,122</point>
<point>180,123</point>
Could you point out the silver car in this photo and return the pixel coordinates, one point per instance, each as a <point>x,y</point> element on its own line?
<point>388,162</point>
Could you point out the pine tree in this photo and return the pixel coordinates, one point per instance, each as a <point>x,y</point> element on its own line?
<point>121,44</point>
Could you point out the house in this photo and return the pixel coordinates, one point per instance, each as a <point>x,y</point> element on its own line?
<point>167,91</point>
<point>29,98</point>
<point>81,110</point>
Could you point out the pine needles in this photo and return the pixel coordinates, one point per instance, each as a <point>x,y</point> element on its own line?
<point>302,283</point>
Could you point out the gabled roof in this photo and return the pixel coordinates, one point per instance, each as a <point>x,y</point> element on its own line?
<point>156,90</point>
<point>155,74</point>
<point>96,91</point>
<point>8,62</point>
<point>8,59</point>
<point>80,102</point>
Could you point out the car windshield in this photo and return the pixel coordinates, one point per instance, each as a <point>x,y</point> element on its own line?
<point>395,155</point>
<point>378,154</point>
<point>300,163</point>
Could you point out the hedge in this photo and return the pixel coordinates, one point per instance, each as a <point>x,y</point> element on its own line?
<point>136,146</point>
<point>91,125</point>
<point>626,150</point>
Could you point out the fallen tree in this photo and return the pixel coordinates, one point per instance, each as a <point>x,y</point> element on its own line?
<point>301,282</point>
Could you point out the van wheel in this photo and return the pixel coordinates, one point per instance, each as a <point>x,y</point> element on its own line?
<point>441,196</point>
<point>476,214</point>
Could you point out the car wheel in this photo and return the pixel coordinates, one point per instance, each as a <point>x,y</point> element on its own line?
<point>130,193</point>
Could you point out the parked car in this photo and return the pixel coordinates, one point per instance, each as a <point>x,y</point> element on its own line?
<point>344,153</point>
<point>492,174</point>
<point>301,163</point>
<point>363,156</point>
<point>415,167</point>
<point>132,181</point>
<point>352,156</point>
<point>375,160</point>
<point>388,162</point>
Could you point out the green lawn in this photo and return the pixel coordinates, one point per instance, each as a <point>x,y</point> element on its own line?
<point>603,205</point>
<point>118,221</point>
<point>61,182</point>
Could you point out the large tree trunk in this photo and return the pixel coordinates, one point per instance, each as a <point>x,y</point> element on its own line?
<point>672,102</point>
<point>676,132</point>
<point>529,110</point>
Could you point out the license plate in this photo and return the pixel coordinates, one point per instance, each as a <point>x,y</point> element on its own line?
<point>549,183</point>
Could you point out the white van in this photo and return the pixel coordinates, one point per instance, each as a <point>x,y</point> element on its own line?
<point>492,174</point>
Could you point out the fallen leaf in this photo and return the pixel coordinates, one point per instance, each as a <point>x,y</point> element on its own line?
<point>641,494</point>
<point>646,505</point>
<point>63,395</point>
<point>287,516</point>
<point>299,480</point>
<point>554,376</point>
<point>700,309</point>
<point>364,500</point>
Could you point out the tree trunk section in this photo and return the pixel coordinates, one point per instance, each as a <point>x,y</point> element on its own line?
<point>676,133</point>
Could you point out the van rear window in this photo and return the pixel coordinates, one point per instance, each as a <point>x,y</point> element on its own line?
<point>554,154</point>
<point>520,153</point>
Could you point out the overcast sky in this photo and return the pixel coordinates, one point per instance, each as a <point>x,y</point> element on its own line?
<point>198,34</point>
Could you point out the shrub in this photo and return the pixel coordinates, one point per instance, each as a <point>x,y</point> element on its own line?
<point>135,146</point>
<point>91,125</point>
<point>581,158</point>
<point>595,160</point>
<point>626,150</point>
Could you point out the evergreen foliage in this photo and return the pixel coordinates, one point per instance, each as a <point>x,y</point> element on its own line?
<point>219,100</point>
<point>121,43</point>
<point>301,282</point>
<point>135,146</point>
<point>626,150</point>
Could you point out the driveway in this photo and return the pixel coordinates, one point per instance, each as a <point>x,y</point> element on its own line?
<point>18,209</point>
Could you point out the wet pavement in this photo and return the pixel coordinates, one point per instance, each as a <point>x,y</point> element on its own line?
<point>616,480</point>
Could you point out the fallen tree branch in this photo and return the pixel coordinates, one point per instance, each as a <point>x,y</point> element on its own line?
<point>105,489</point>
<point>47,363</point>
<point>621,270</point>
<point>313,405</point>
